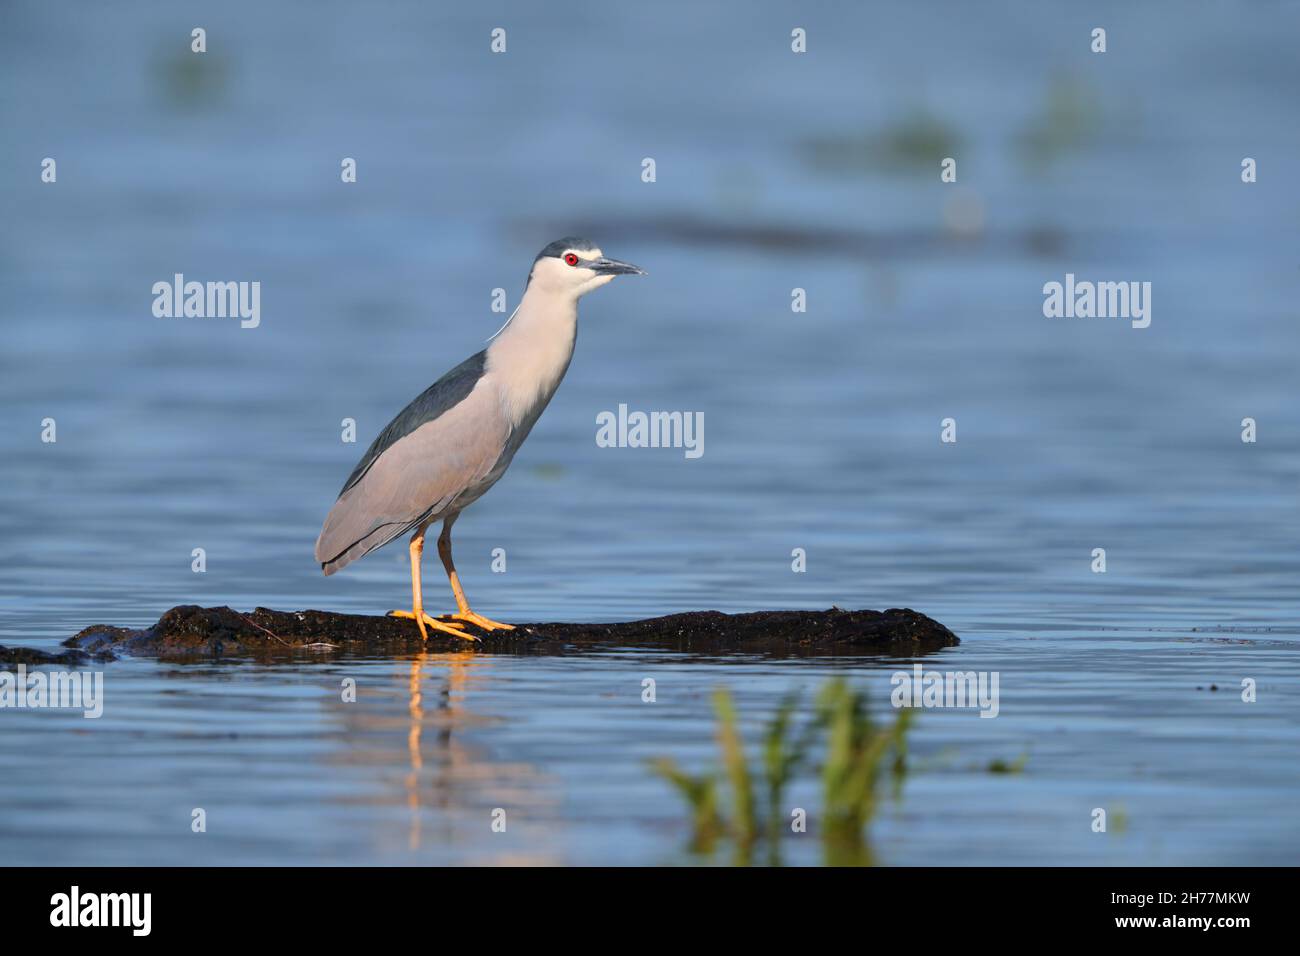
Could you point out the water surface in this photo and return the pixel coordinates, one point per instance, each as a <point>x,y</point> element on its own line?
<point>822,428</point>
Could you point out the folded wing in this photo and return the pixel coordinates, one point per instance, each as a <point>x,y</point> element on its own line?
<point>444,443</point>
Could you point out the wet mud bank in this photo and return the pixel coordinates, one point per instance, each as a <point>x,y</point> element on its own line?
<point>190,632</point>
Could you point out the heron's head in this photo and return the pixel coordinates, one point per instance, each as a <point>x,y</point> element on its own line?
<point>573,266</point>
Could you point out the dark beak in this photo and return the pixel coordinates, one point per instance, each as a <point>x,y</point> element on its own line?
<point>612,267</point>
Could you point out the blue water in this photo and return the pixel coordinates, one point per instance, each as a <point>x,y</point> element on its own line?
<point>774,171</point>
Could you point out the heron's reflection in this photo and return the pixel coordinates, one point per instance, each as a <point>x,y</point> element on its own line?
<point>429,732</point>
<point>459,670</point>
<point>413,747</point>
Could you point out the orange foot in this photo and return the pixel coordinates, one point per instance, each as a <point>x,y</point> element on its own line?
<point>423,620</point>
<point>478,620</point>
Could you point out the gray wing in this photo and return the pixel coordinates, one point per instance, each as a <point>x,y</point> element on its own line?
<point>449,391</point>
<point>415,469</point>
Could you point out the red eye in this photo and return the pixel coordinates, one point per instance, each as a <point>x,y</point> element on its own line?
<point>570,258</point>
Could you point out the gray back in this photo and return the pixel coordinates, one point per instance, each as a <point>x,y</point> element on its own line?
<point>448,391</point>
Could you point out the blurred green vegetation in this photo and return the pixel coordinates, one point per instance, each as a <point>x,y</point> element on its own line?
<point>859,757</point>
<point>1014,766</point>
<point>192,80</point>
<point>917,140</point>
<point>1067,119</point>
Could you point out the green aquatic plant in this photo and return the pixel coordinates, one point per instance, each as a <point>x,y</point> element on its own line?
<point>701,791</point>
<point>1069,119</point>
<point>1004,766</point>
<point>701,795</point>
<point>915,140</point>
<point>745,825</point>
<point>190,80</point>
<point>858,757</point>
<point>783,755</point>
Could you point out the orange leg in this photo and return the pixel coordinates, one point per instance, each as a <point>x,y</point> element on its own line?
<point>463,612</point>
<point>416,613</point>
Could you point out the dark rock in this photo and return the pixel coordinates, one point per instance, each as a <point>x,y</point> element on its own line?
<point>72,657</point>
<point>190,631</point>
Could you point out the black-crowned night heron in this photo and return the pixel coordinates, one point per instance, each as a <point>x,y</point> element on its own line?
<point>455,441</point>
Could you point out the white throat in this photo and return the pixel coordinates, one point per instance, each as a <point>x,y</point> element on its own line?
<point>531,353</point>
